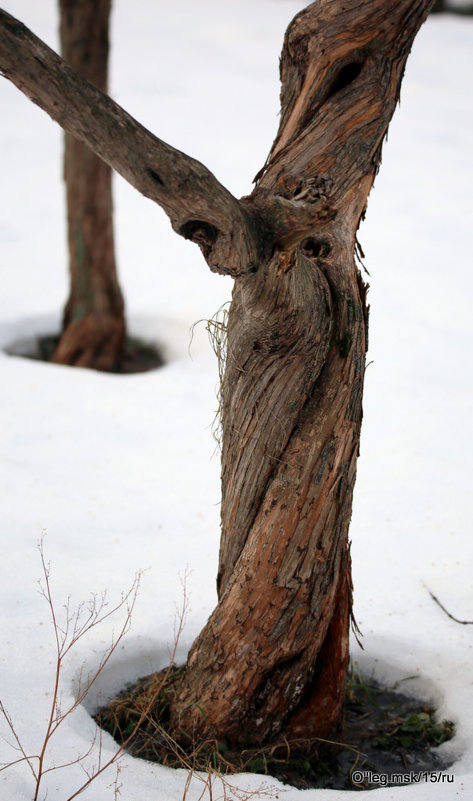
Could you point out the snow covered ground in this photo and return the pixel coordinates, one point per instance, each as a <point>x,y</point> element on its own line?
<point>121,471</point>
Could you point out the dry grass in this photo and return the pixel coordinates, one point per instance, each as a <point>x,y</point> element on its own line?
<point>209,757</point>
<point>217,330</point>
<point>382,727</point>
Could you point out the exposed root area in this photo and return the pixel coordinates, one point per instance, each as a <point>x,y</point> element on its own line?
<point>385,732</point>
<point>135,356</point>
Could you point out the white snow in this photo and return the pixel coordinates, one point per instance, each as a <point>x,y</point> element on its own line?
<point>121,471</point>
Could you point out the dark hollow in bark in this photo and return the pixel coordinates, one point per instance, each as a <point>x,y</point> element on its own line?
<point>273,655</point>
<point>94,323</point>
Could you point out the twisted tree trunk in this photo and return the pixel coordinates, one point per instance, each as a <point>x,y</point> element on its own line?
<point>94,324</point>
<point>273,656</point>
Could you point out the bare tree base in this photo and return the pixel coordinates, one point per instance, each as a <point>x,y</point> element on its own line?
<point>385,733</point>
<point>137,356</point>
<point>93,341</point>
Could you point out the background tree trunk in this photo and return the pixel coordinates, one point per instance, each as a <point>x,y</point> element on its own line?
<point>273,656</point>
<point>94,324</point>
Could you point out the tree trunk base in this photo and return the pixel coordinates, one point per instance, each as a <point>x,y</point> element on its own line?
<point>321,711</point>
<point>94,341</point>
<point>377,731</point>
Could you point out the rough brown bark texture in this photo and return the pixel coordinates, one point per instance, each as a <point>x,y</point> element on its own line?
<point>273,656</point>
<point>94,324</point>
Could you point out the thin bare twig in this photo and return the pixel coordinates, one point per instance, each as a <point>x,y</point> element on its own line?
<point>24,757</point>
<point>452,617</point>
<point>75,626</point>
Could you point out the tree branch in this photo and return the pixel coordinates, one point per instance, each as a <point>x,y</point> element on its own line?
<point>199,207</point>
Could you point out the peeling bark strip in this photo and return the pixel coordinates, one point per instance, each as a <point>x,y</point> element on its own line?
<point>273,656</point>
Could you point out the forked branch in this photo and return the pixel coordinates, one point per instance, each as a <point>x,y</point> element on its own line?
<point>336,103</point>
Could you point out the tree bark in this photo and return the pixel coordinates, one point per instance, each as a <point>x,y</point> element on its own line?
<point>273,656</point>
<point>94,322</point>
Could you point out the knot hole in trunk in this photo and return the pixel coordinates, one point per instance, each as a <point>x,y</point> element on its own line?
<point>204,234</point>
<point>315,248</point>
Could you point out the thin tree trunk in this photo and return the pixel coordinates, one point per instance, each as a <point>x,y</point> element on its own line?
<point>273,656</point>
<point>94,324</point>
